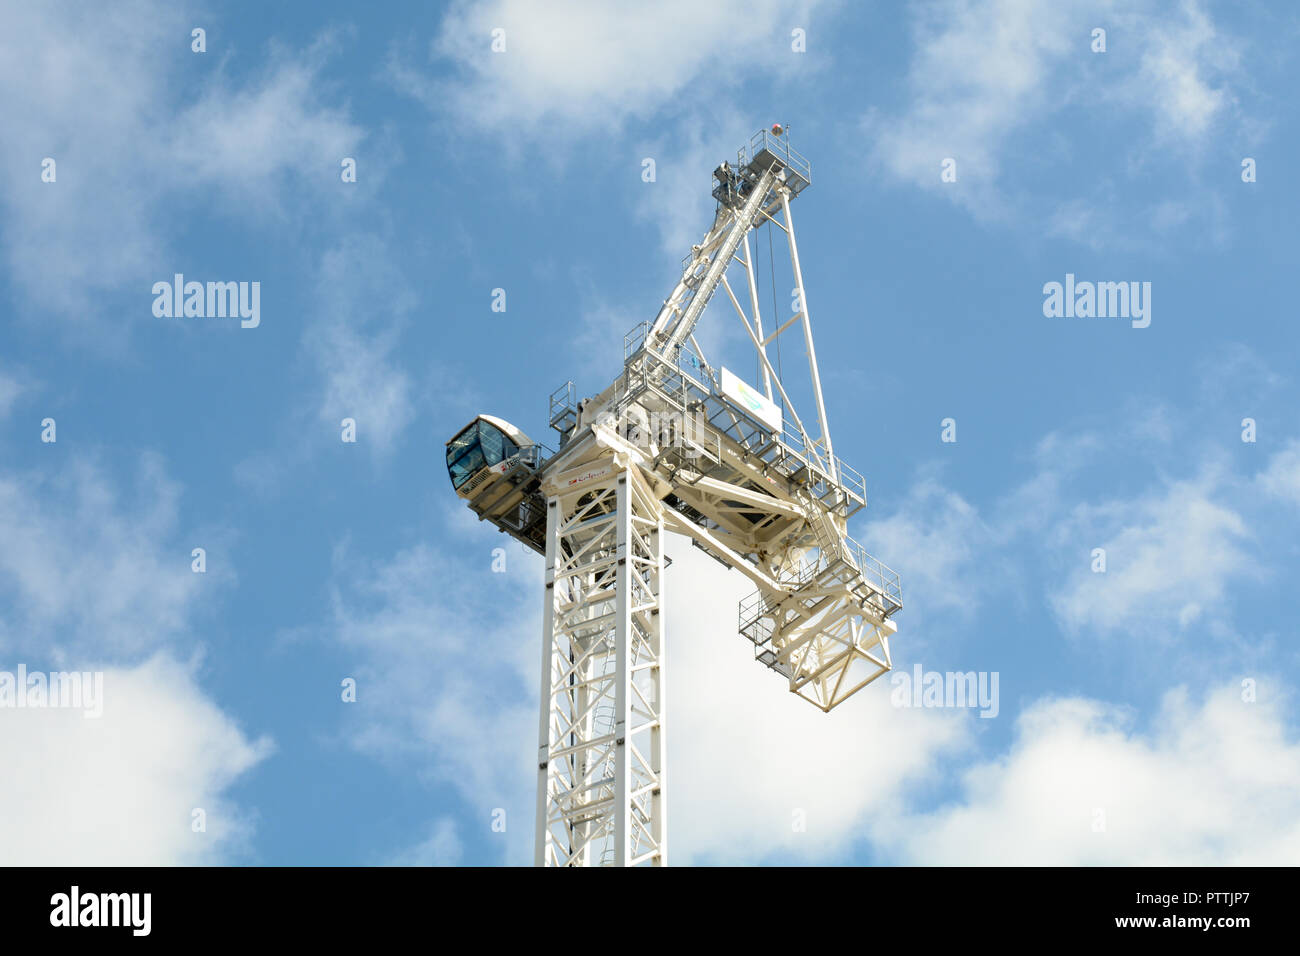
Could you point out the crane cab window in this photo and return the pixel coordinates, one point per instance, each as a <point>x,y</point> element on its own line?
<point>479,445</point>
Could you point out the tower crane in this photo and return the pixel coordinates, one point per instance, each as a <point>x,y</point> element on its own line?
<point>675,444</point>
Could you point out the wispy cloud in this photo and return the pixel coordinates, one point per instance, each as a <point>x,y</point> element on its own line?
<point>939,544</point>
<point>130,152</point>
<point>1280,478</point>
<point>362,307</point>
<point>991,80</point>
<point>87,567</point>
<point>588,65</point>
<point>446,656</point>
<point>1172,556</point>
<point>579,69</point>
<point>442,847</point>
<point>11,386</point>
<point>1176,546</point>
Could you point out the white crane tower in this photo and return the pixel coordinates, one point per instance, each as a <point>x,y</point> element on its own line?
<point>675,444</point>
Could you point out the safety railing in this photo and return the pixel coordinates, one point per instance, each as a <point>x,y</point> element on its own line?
<point>634,340</point>
<point>533,455</point>
<point>564,408</point>
<point>850,555</point>
<point>847,555</point>
<point>878,575</point>
<point>799,170</point>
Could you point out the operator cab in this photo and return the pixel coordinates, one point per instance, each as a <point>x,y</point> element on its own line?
<point>484,450</point>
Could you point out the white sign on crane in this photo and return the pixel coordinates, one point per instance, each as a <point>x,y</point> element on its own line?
<point>750,399</point>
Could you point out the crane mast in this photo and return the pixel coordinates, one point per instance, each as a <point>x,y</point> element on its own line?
<point>674,444</point>
<point>710,259</point>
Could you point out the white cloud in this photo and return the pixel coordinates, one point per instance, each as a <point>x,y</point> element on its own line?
<point>939,545</point>
<point>120,790</point>
<point>951,555</point>
<point>580,68</point>
<point>363,301</point>
<point>447,659</point>
<point>680,202</point>
<point>1183,56</point>
<point>1211,784</point>
<point>978,74</point>
<point>1171,556</point>
<point>10,389</point>
<point>96,90</point>
<point>989,79</point>
<point>67,240</point>
<point>600,337</point>
<point>91,576</point>
<point>246,139</point>
<point>361,381</point>
<point>1236,372</point>
<point>84,565</point>
<point>361,307</point>
<point>744,754</point>
<point>441,848</point>
<point>588,65</point>
<point>1175,548</point>
<point>1280,479</point>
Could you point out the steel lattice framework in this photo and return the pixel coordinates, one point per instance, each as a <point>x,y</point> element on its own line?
<point>671,445</point>
<point>600,761</point>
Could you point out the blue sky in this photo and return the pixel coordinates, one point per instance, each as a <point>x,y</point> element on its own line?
<point>1146,713</point>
